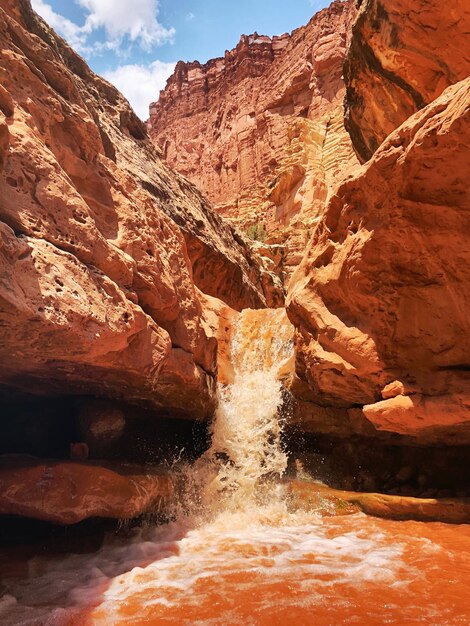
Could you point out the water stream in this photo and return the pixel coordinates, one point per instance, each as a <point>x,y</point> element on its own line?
<point>246,454</point>
<point>236,555</point>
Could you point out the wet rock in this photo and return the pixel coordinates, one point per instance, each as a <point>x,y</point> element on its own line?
<point>102,425</point>
<point>66,492</point>
<point>451,510</point>
<point>219,322</point>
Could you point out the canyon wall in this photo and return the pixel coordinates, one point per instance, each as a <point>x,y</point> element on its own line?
<point>402,56</point>
<point>271,132</point>
<point>103,248</point>
<point>261,131</point>
<point>120,286</point>
<point>381,299</point>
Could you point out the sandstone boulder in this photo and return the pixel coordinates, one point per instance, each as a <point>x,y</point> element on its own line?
<point>324,500</point>
<point>67,492</point>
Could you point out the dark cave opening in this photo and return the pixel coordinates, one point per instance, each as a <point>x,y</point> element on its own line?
<point>365,464</point>
<point>48,426</point>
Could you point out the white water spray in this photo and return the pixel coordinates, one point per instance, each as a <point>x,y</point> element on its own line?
<point>246,558</point>
<point>246,445</point>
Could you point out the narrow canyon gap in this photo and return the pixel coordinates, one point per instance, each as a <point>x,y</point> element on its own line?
<point>234,338</point>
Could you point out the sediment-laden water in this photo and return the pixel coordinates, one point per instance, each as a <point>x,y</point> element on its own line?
<point>236,554</point>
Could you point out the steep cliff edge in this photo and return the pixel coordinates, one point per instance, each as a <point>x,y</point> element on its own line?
<point>261,130</point>
<point>102,246</point>
<point>402,56</point>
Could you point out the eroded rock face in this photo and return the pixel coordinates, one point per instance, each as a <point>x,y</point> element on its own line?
<point>382,294</point>
<point>67,492</point>
<point>261,130</point>
<point>324,500</point>
<point>101,245</point>
<point>402,56</point>
<point>219,322</point>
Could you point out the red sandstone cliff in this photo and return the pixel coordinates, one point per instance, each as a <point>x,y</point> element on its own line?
<point>105,253</point>
<point>261,130</point>
<point>102,246</point>
<point>381,298</point>
<point>381,293</point>
<point>402,56</point>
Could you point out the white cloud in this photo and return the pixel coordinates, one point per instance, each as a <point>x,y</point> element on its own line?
<point>136,19</point>
<point>190,16</point>
<point>123,20</point>
<point>69,30</point>
<point>141,84</point>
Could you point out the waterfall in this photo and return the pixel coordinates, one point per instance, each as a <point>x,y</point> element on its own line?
<point>243,555</point>
<point>246,448</point>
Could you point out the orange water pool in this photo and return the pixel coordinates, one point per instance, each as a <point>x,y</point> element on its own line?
<point>263,569</point>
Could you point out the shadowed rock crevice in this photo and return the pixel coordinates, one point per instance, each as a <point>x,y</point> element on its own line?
<point>401,58</point>
<point>55,426</point>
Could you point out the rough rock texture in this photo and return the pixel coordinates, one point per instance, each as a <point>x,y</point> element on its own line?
<point>219,322</point>
<point>403,55</point>
<point>382,294</point>
<point>66,492</point>
<point>324,500</point>
<point>101,245</point>
<point>100,426</point>
<point>261,130</point>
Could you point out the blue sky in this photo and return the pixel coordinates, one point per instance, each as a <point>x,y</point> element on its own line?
<point>136,43</point>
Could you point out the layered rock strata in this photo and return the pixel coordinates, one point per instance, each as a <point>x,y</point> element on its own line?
<point>261,130</point>
<point>101,245</point>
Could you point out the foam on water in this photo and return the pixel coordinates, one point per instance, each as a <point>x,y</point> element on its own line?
<point>246,433</point>
<point>238,555</point>
<point>238,471</point>
<point>246,568</point>
<point>166,566</point>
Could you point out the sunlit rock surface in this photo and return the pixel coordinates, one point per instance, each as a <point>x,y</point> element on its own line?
<point>403,55</point>
<point>261,130</point>
<point>101,245</point>
<point>382,293</point>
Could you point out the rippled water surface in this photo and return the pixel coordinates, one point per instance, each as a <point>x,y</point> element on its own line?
<point>239,556</point>
<point>263,568</point>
